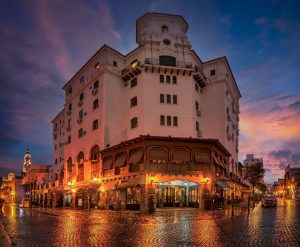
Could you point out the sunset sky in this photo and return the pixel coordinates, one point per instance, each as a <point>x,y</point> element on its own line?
<point>43,43</point>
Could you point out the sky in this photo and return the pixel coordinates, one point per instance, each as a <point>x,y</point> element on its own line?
<point>44,43</point>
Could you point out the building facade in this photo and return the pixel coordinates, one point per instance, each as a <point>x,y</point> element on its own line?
<point>162,89</point>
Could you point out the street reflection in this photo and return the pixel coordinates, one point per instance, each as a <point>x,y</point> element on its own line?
<point>70,227</point>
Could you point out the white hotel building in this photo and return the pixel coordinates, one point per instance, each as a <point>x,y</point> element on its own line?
<point>157,126</point>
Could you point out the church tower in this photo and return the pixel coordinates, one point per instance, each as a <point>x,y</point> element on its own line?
<point>27,161</point>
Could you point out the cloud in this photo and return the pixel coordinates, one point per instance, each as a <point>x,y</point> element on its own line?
<point>295,105</point>
<point>281,154</point>
<point>261,21</point>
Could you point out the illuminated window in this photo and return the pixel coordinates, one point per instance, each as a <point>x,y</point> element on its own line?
<point>134,64</point>
<point>97,66</point>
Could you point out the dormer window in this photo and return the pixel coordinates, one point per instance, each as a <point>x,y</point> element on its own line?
<point>164,28</point>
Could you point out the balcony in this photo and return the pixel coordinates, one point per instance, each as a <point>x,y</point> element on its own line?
<point>199,77</point>
<point>169,167</point>
<point>131,71</point>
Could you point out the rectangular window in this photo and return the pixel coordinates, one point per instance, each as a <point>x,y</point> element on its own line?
<point>161,78</point>
<point>80,115</point>
<point>169,121</point>
<point>162,120</point>
<point>212,72</point>
<point>96,84</point>
<point>162,98</point>
<point>69,139</point>
<point>80,132</point>
<point>174,79</point>
<point>197,125</point>
<point>115,64</point>
<point>175,99</point>
<point>196,87</point>
<point>175,121</point>
<point>70,90</point>
<point>81,79</point>
<point>168,98</point>
<point>81,97</point>
<point>197,105</point>
<point>95,124</point>
<point>70,107</point>
<point>133,82</point>
<point>168,79</point>
<point>134,122</point>
<point>95,104</point>
<point>133,101</point>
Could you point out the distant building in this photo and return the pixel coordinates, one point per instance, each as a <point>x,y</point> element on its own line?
<point>292,182</point>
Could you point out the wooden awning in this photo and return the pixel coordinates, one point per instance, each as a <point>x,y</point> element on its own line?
<point>158,154</point>
<point>136,156</point>
<point>202,157</point>
<point>107,163</point>
<point>181,154</point>
<point>120,160</point>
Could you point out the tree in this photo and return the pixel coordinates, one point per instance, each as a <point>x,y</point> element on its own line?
<point>254,174</point>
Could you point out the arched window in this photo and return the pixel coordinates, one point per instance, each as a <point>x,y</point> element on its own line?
<point>69,165</point>
<point>164,28</point>
<point>80,158</point>
<point>95,152</point>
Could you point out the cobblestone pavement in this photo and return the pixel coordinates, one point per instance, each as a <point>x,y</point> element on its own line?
<point>65,227</point>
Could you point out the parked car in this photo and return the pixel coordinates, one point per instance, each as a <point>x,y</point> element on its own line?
<point>269,201</point>
<point>25,203</point>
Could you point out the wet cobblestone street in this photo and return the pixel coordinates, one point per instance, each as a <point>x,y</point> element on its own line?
<point>65,227</point>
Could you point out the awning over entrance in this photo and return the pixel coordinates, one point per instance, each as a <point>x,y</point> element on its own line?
<point>223,184</point>
<point>131,183</point>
